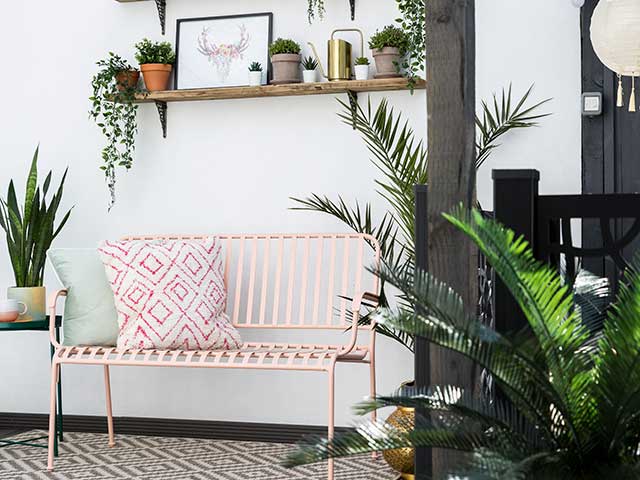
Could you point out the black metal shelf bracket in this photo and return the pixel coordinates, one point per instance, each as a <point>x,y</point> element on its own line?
<point>162,113</point>
<point>353,103</point>
<point>352,5</point>
<point>162,13</point>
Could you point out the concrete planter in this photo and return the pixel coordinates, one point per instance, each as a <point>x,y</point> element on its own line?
<point>286,68</point>
<point>362,72</point>
<point>255,79</point>
<point>386,60</point>
<point>309,76</point>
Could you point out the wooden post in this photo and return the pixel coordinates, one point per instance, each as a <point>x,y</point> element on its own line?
<point>422,369</point>
<point>450,30</point>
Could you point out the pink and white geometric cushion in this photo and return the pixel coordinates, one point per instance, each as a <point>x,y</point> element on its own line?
<point>169,294</point>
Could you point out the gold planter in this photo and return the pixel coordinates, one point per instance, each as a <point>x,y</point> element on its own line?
<point>35,300</point>
<point>402,459</point>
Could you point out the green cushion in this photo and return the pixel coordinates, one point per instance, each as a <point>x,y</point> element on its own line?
<point>90,316</point>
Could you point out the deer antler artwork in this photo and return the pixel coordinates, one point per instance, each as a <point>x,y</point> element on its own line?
<point>222,55</point>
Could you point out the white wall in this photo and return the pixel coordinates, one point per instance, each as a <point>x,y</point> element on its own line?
<point>231,166</point>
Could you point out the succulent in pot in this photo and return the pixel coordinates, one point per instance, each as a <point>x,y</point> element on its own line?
<point>30,229</point>
<point>362,68</point>
<point>309,66</point>
<point>388,46</point>
<point>285,58</point>
<point>156,61</point>
<point>255,74</point>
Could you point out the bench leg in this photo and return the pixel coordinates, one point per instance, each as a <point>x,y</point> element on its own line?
<point>372,392</point>
<point>52,415</point>
<point>332,401</point>
<point>107,387</point>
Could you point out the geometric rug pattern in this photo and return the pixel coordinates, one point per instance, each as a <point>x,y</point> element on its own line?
<point>86,456</point>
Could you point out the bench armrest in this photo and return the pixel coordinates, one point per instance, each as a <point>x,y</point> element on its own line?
<point>53,300</point>
<point>356,305</point>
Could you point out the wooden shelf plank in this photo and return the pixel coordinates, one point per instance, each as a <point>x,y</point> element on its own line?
<point>289,90</point>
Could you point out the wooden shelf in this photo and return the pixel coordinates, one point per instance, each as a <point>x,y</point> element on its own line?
<point>352,88</point>
<point>289,90</point>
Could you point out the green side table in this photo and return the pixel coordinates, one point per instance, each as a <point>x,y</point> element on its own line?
<point>38,326</point>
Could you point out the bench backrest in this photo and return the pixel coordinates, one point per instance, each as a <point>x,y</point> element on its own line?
<point>293,281</point>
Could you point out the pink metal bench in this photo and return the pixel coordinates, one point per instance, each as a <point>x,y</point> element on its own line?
<point>277,282</point>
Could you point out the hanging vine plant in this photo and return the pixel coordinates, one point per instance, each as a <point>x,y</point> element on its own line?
<point>412,22</point>
<point>113,109</point>
<point>315,9</point>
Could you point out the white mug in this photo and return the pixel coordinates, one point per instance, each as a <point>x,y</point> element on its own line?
<point>10,310</point>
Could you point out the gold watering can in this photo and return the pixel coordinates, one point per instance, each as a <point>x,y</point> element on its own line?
<point>339,56</point>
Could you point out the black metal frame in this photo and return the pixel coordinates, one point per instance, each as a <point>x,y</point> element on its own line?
<point>180,21</point>
<point>545,221</point>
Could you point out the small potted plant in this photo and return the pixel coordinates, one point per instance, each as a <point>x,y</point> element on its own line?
<point>255,74</point>
<point>362,68</point>
<point>156,61</point>
<point>309,66</point>
<point>285,57</point>
<point>30,229</point>
<point>388,46</point>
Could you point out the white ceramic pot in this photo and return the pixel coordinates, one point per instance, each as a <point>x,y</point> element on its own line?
<point>309,76</point>
<point>362,72</point>
<point>255,79</point>
<point>34,298</point>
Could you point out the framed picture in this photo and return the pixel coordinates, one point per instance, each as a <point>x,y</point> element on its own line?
<point>217,51</point>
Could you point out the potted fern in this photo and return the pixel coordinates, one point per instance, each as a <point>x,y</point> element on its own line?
<point>255,74</point>
<point>309,66</point>
<point>285,58</point>
<point>156,61</point>
<point>30,229</point>
<point>568,408</point>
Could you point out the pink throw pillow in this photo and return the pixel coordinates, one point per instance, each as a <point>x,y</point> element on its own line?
<point>169,294</point>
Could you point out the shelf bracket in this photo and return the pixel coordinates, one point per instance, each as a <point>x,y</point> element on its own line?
<point>162,113</point>
<point>352,5</point>
<point>353,103</point>
<point>162,13</point>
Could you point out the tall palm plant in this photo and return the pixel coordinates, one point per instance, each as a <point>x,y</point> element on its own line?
<point>401,161</point>
<point>570,404</point>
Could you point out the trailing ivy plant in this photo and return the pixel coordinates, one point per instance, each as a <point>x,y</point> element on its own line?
<point>412,23</point>
<point>315,8</point>
<point>114,111</point>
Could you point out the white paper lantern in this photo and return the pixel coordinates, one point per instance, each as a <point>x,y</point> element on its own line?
<point>615,34</point>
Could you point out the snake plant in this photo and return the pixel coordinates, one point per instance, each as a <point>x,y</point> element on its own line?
<point>570,384</point>
<point>30,228</point>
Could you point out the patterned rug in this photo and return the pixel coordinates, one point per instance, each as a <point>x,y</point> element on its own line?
<point>86,456</point>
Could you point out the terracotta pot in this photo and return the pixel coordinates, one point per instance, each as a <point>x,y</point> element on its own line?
<point>127,79</point>
<point>286,68</point>
<point>156,76</point>
<point>386,60</point>
<point>35,300</point>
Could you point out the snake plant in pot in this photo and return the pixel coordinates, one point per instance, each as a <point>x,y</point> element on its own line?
<point>30,229</point>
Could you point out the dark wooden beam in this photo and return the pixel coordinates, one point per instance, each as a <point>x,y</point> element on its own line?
<point>450,29</point>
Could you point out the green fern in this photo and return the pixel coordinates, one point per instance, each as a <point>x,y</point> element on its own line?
<point>571,384</point>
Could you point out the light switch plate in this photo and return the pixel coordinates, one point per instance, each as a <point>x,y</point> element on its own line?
<point>592,104</point>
